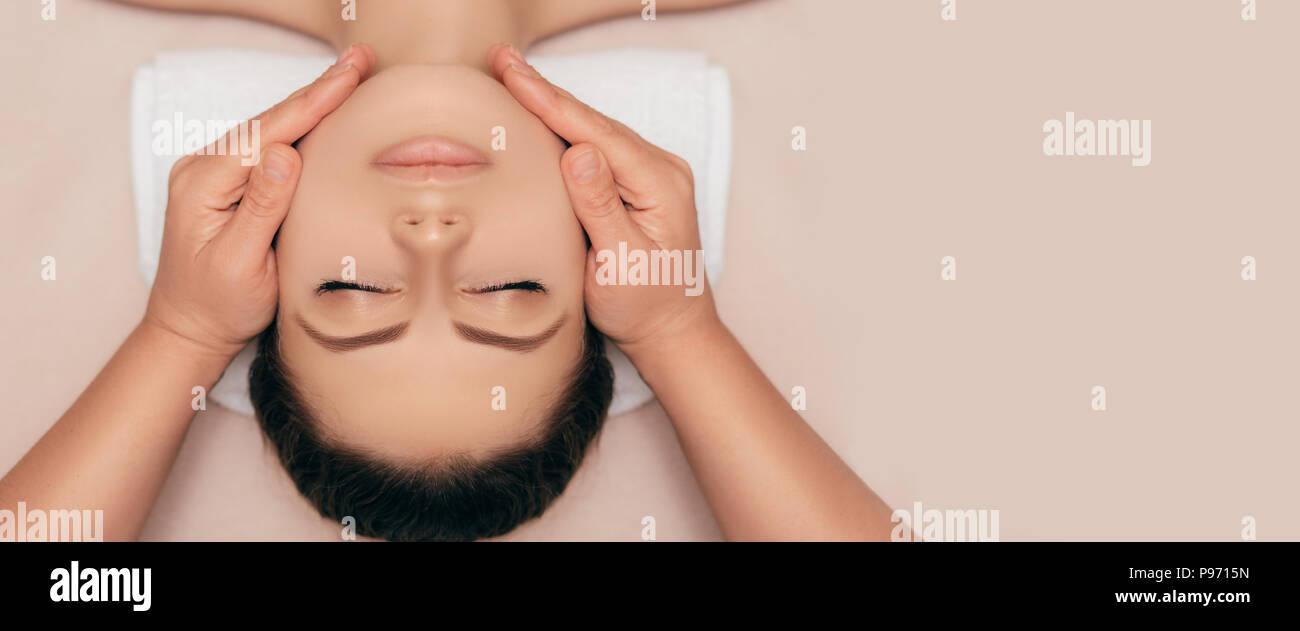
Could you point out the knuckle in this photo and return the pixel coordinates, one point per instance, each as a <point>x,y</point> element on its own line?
<point>686,181</point>
<point>554,101</point>
<point>180,172</point>
<point>680,163</point>
<point>604,126</point>
<point>258,199</point>
<point>622,129</point>
<point>680,172</point>
<point>601,200</point>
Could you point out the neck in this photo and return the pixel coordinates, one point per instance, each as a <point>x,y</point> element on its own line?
<point>434,32</point>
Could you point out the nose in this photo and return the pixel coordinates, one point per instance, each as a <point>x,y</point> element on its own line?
<point>420,230</point>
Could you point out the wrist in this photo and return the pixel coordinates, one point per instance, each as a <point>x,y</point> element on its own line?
<point>168,339</point>
<point>699,331</point>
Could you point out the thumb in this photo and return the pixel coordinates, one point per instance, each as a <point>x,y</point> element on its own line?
<point>595,198</point>
<point>266,201</point>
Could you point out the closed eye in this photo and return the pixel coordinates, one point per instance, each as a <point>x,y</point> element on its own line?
<point>524,285</point>
<point>341,285</point>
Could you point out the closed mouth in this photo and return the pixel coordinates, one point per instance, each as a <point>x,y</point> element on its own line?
<point>431,158</point>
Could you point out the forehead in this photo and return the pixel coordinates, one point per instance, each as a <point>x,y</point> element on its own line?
<point>430,394</point>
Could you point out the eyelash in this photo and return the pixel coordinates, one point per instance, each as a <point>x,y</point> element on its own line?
<point>523,285</point>
<point>337,285</point>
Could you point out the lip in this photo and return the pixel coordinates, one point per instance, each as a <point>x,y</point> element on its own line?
<point>430,158</point>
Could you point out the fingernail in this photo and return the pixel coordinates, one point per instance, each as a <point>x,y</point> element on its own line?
<point>276,166</point>
<point>344,55</point>
<point>338,70</point>
<point>525,69</point>
<point>339,66</point>
<point>514,54</point>
<point>585,166</point>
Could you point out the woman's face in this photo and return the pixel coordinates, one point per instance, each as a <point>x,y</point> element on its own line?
<point>469,259</point>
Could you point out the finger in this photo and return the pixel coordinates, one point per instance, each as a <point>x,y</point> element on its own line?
<point>233,155</point>
<point>595,199</point>
<point>637,165</point>
<point>271,185</point>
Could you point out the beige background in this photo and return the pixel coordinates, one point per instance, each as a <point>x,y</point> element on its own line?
<point>924,141</point>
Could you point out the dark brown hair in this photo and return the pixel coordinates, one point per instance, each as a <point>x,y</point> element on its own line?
<point>456,498</point>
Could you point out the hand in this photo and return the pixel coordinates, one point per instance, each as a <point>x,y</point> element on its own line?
<point>623,189</point>
<point>217,285</point>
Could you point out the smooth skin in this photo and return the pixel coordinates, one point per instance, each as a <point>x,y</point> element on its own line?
<point>215,290</point>
<point>764,472</point>
<point>432,31</point>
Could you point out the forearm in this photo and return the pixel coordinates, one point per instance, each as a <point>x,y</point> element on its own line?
<point>113,448</point>
<point>766,474</point>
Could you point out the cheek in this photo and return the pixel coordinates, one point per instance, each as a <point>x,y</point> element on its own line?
<point>537,198</point>
<point>544,224</point>
<point>334,213</point>
<point>537,235</point>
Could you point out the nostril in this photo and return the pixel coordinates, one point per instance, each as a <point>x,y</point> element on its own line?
<point>414,218</point>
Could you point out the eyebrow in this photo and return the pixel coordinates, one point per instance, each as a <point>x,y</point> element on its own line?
<point>518,344</point>
<point>352,343</point>
<point>469,333</point>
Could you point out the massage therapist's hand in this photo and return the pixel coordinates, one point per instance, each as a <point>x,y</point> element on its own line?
<point>623,189</point>
<point>739,433</point>
<point>217,282</point>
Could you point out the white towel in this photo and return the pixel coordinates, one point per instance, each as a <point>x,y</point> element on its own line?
<point>674,99</point>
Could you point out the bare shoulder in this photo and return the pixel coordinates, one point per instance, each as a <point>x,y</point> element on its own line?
<point>312,17</point>
<point>550,17</point>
